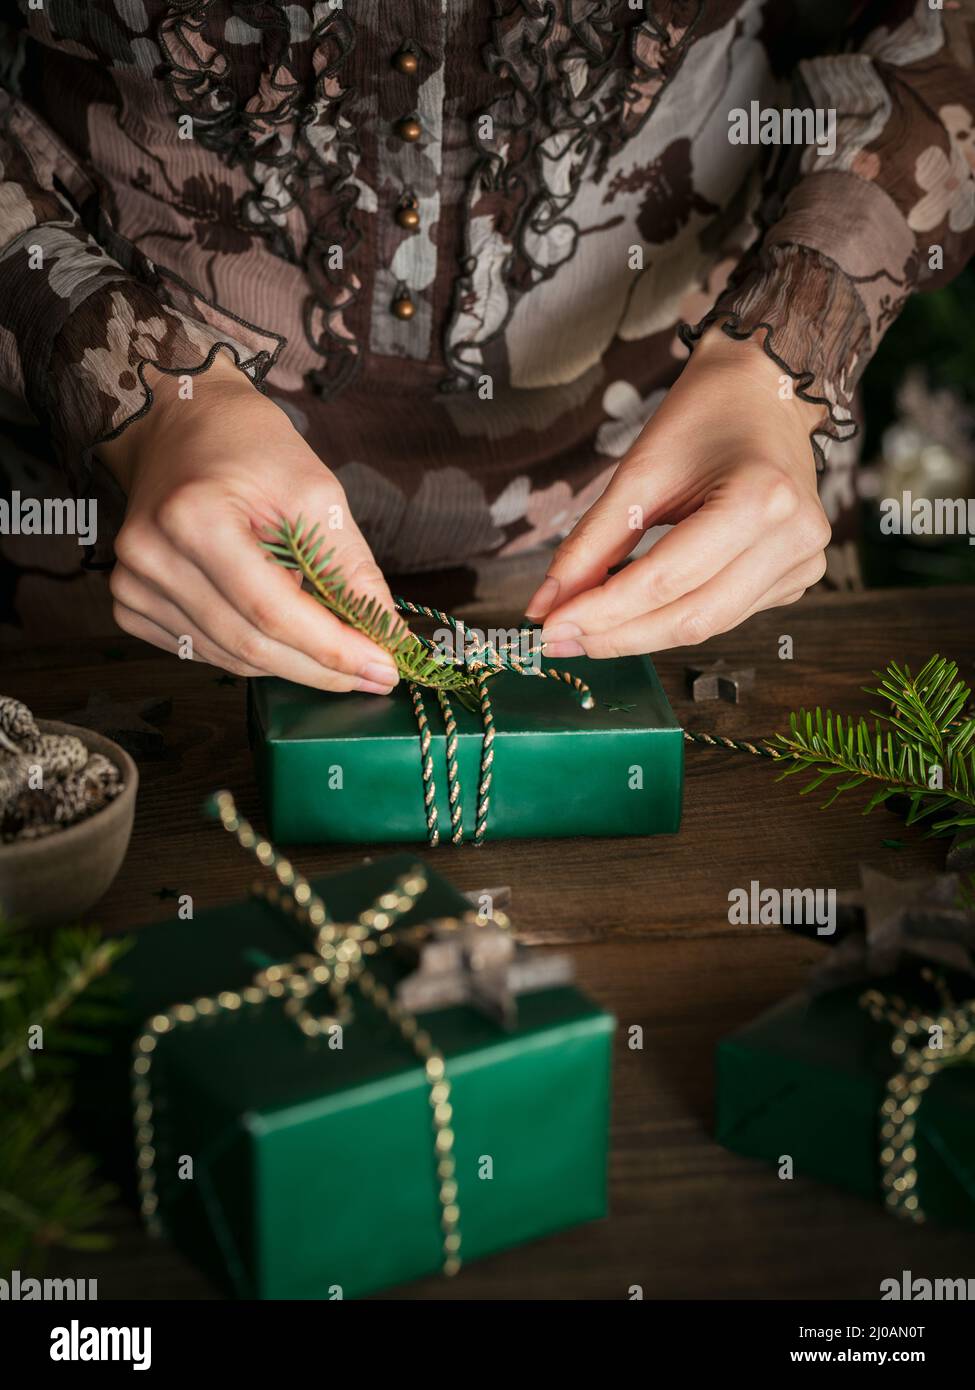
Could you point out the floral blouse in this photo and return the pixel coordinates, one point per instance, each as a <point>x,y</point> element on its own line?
<point>466,244</point>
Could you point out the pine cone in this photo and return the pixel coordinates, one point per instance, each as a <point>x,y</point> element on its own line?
<point>14,771</point>
<point>16,721</point>
<point>73,786</point>
<point>104,782</point>
<point>57,754</point>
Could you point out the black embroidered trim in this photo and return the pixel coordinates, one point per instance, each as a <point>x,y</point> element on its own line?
<point>276,141</point>
<point>536,100</point>
<point>683,17</point>
<point>336,225</point>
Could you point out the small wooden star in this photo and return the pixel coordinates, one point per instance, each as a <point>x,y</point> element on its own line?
<point>466,961</point>
<point>719,681</point>
<point>130,725</point>
<point>892,923</point>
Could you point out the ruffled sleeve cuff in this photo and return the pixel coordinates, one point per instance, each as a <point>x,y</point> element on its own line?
<point>86,329</point>
<point>814,326</point>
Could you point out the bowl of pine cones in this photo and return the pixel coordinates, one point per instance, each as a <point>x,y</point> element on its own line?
<point>67,803</point>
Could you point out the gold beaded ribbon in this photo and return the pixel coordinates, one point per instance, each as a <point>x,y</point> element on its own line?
<point>335,962</point>
<point>919,1063</point>
<point>483,661</point>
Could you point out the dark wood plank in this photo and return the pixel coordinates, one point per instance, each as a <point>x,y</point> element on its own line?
<point>647,924</point>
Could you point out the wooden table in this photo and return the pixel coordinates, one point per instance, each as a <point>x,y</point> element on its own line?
<point>646,923</point>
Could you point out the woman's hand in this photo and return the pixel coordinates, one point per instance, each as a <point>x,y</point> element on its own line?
<point>731,464</point>
<point>206,478</point>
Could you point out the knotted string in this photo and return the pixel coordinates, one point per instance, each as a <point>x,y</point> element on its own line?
<point>336,960</point>
<point>919,1065</point>
<point>483,661</point>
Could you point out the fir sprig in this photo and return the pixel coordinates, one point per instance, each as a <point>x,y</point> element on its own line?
<point>296,547</point>
<point>921,746</point>
<point>49,1195</point>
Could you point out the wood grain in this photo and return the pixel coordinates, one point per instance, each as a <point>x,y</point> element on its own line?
<point>646,922</point>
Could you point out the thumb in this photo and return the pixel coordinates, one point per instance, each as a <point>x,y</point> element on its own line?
<point>600,539</point>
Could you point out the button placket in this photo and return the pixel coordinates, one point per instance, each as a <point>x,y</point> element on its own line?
<point>409,129</point>
<point>409,172</point>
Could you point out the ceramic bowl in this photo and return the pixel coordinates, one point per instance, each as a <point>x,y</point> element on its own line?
<point>56,879</point>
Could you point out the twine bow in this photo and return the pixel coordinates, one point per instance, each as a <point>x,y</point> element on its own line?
<point>920,1062</point>
<point>482,661</point>
<point>337,959</point>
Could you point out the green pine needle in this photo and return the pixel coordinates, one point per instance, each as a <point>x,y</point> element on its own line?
<point>295,547</point>
<point>50,1196</point>
<point>922,746</point>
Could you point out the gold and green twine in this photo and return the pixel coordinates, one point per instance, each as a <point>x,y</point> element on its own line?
<point>336,961</point>
<point>919,1062</point>
<point>481,661</point>
<point>758,748</point>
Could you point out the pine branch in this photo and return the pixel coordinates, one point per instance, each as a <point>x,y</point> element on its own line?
<point>922,747</point>
<point>294,547</point>
<point>925,707</point>
<point>49,1197</point>
<point>38,987</point>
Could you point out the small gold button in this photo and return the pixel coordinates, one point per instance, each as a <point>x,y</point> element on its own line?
<point>403,307</point>
<point>409,129</point>
<point>406,61</point>
<point>408,215</point>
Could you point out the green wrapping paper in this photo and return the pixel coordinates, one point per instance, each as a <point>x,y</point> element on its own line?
<point>313,1170</point>
<point>347,768</point>
<point>808,1079</point>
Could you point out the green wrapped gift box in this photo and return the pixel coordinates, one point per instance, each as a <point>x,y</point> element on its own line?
<point>347,768</point>
<point>313,1168</point>
<point>808,1079</point>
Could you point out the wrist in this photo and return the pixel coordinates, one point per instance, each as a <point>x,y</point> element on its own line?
<point>718,351</point>
<point>178,402</point>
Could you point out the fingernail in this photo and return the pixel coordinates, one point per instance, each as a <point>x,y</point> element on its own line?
<point>543,599</point>
<point>378,673</point>
<point>559,632</point>
<point>371,688</point>
<point>563,649</point>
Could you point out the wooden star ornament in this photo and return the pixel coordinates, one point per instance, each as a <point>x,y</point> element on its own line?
<point>719,681</point>
<point>895,922</point>
<point>469,961</point>
<point>131,725</point>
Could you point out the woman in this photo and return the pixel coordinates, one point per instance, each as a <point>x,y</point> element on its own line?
<point>428,273</point>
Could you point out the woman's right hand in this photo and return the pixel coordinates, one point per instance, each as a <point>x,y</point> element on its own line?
<point>206,479</point>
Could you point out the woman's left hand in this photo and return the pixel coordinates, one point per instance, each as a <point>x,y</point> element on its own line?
<point>730,463</point>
